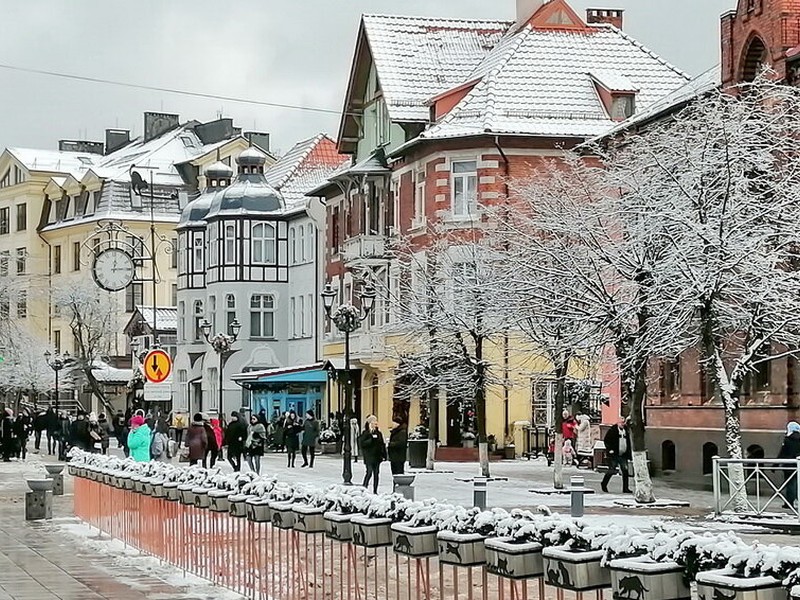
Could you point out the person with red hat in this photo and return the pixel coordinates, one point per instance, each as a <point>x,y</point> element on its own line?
<point>139,439</point>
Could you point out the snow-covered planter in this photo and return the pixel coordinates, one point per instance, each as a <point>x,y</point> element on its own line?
<point>414,540</point>
<point>371,532</point>
<point>158,489</point>
<point>237,506</point>
<point>282,515</point>
<point>201,499</point>
<point>308,518</point>
<point>461,549</point>
<point>171,491</point>
<point>575,570</point>
<point>701,552</point>
<point>147,486</point>
<point>258,510</point>
<point>218,500</point>
<point>645,579</point>
<point>725,584</point>
<point>72,470</point>
<point>507,558</point>
<point>338,526</point>
<point>138,484</point>
<point>186,493</point>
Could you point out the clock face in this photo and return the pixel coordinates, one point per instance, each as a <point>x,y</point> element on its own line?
<point>113,269</point>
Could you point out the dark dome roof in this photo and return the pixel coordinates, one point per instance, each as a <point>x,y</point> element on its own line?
<point>219,170</point>
<point>251,157</point>
<point>248,194</point>
<point>196,210</point>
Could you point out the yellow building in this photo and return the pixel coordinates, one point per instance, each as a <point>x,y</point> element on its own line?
<point>55,207</point>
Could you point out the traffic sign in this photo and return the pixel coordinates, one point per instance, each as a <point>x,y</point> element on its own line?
<point>157,366</point>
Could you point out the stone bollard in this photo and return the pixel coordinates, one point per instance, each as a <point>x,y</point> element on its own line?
<point>404,485</point>
<point>39,501</point>
<point>479,492</point>
<point>577,491</point>
<point>54,473</point>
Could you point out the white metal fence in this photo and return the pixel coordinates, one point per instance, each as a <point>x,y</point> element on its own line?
<point>756,487</point>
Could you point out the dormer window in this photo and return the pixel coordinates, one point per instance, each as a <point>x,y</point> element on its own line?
<point>623,106</point>
<point>616,92</point>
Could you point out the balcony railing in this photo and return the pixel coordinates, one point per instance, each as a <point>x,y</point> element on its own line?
<point>364,247</point>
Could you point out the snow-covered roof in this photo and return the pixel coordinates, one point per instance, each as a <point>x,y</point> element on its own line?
<point>105,373</point>
<point>166,317</point>
<point>55,161</point>
<point>305,167</point>
<point>420,57</point>
<point>537,82</point>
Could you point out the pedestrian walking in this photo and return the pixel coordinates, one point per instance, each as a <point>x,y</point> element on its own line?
<point>355,435</point>
<point>119,429</point>
<point>373,450</point>
<point>212,448</point>
<point>179,424</point>
<point>63,439</point>
<point>39,427</point>
<point>7,439</point>
<point>618,450</point>
<point>398,447</point>
<point>79,432</point>
<point>310,439</point>
<point>95,437</point>
<point>106,431</point>
<point>219,438</point>
<point>278,434</point>
<point>139,439</point>
<point>197,440</point>
<point>235,438</point>
<point>790,449</point>
<point>255,444</point>
<point>568,455</point>
<point>52,429</point>
<point>569,426</point>
<point>291,429</point>
<point>584,444</point>
<point>159,442</point>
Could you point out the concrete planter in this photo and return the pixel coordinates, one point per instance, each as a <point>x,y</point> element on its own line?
<point>417,453</point>
<point>158,489</point>
<point>328,447</point>
<point>282,515</point>
<point>258,510</point>
<point>108,479</point>
<point>237,506</point>
<point>338,526</point>
<point>147,486</point>
<point>218,500</point>
<point>308,519</point>
<point>186,494</point>
<point>371,532</point>
<point>171,491</point>
<point>72,470</point>
<point>40,485</point>
<point>128,483</point>
<point>643,579</point>
<point>576,571</point>
<point>54,468</point>
<point>201,499</point>
<point>413,541</point>
<point>82,472</point>
<point>461,549</point>
<point>505,558</point>
<point>726,585</point>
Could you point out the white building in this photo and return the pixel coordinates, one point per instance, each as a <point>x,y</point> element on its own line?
<point>249,250</point>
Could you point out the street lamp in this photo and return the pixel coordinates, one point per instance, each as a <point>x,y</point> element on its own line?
<point>56,362</point>
<point>221,343</point>
<point>348,319</point>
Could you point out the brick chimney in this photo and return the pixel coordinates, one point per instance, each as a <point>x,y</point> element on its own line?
<point>612,16</point>
<point>527,8</point>
<point>157,124</point>
<point>116,139</point>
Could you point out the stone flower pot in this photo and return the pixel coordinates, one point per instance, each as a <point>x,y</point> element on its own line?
<point>282,515</point>
<point>338,526</point>
<point>417,453</point>
<point>171,491</point>
<point>186,492</point>
<point>72,470</point>
<point>218,500</point>
<point>201,499</point>
<point>370,532</point>
<point>128,483</point>
<point>237,506</point>
<point>576,571</point>
<point>158,489</point>
<point>644,579</point>
<point>506,558</point>
<point>40,485</point>
<point>147,486</point>
<point>308,519</point>
<point>54,468</point>
<point>726,585</point>
<point>461,549</point>
<point>328,447</point>
<point>415,541</point>
<point>258,510</point>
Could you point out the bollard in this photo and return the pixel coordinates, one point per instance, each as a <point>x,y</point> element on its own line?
<point>577,491</point>
<point>403,485</point>
<point>479,493</point>
<point>39,501</point>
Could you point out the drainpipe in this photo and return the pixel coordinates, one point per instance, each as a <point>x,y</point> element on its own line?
<point>507,425</point>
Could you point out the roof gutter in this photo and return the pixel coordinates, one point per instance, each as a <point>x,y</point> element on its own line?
<point>506,353</point>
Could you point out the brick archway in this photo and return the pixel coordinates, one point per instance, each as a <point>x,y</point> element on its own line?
<point>754,58</point>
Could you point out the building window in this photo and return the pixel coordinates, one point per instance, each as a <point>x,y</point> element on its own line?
<point>335,224</point>
<point>301,244</point>
<point>56,259</point>
<point>174,294</point>
<point>174,253</point>
<point>57,341</point>
<point>181,321</point>
<point>310,242</point>
<point>230,311</point>
<point>22,217</point>
<point>263,241</point>
<point>22,304</point>
<point>134,296</point>
<point>197,266</point>
<point>22,261</point>
<point>374,209</point>
<point>262,307</point>
<point>310,313</point>
<point>464,187</point>
<point>212,314</point>
<point>4,259</point>
<point>3,220</point>
<point>292,246</point>
<point>91,203</point>
<point>198,320</point>
<point>302,315</point>
<point>230,244</point>
<point>5,306</point>
<point>292,317</point>
<point>419,199</point>
<point>672,376</point>
<point>76,256</point>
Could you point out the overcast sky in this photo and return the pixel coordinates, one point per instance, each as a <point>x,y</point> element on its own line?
<point>294,52</point>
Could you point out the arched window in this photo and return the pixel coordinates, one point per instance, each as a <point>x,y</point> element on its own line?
<point>668,455</point>
<point>230,311</point>
<point>292,246</point>
<point>230,244</point>
<point>301,244</point>
<point>710,450</point>
<point>756,59</point>
<point>310,242</point>
<point>263,240</point>
<point>262,316</point>
<point>198,320</point>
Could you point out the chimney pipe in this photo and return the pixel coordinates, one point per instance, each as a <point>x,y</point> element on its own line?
<point>612,16</point>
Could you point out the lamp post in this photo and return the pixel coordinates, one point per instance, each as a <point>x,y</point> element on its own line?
<point>221,343</point>
<point>56,362</point>
<point>348,319</point>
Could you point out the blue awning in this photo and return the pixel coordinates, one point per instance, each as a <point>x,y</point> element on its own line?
<point>315,373</point>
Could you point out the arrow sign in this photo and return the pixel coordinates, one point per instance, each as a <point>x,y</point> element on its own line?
<point>157,366</point>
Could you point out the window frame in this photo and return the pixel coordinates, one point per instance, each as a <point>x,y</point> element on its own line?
<point>469,207</point>
<point>265,309</point>
<point>263,245</point>
<point>22,216</point>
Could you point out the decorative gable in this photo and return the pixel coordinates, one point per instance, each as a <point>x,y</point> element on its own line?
<point>556,14</point>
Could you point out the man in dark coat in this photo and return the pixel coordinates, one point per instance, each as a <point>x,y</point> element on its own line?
<point>39,427</point>
<point>310,437</point>
<point>618,450</point>
<point>235,437</point>
<point>53,427</point>
<point>373,449</point>
<point>7,434</point>
<point>790,450</point>
<point>79,432</point>
<point>197,440</point>
<point>398,447</point>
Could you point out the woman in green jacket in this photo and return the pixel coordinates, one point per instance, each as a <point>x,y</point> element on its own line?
<point>139,440</point>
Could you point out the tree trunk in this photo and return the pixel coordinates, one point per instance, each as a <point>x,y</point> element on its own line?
<point>733,443</point>
<point>480,408</point>
<point>643,492</point>
<point>97,390</point>
<point>560,402</point>
<point>433,428</point>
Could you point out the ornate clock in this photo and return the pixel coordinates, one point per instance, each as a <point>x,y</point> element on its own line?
<point>113,269</point>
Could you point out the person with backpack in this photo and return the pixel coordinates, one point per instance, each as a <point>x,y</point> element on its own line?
<point>159,444</point>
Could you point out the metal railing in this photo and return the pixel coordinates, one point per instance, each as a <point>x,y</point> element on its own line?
<point>747,487</point>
